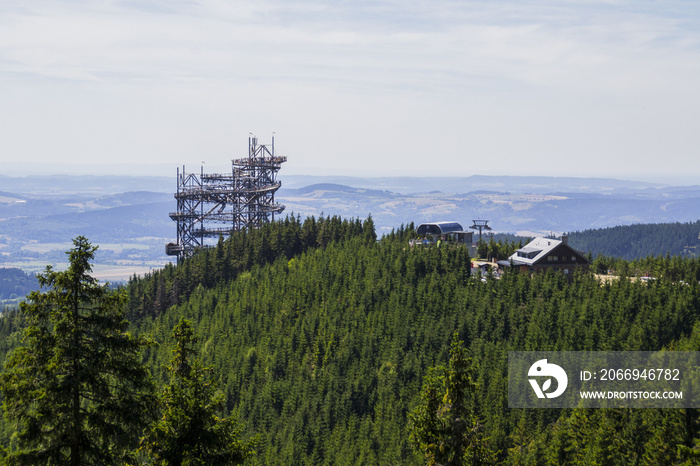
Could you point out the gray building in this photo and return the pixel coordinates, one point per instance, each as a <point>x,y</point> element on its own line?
<point>446,231</point>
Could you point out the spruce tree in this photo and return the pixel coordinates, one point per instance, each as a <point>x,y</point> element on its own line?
<point>190,432</point>
<point>443,427</point>
<point>76,392</point>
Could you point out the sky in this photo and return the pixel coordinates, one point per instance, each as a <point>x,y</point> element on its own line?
<point>361,88</point>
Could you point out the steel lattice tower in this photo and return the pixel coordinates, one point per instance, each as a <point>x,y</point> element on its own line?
<point>213,205</point>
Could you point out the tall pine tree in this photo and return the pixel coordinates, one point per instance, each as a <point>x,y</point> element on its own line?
<point>76,391</point>
<point>443,427</point>
<point>190,432</point>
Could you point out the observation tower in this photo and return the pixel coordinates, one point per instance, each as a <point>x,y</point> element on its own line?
<point>213,205</point>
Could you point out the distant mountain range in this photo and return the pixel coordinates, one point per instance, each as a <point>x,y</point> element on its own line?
<point>523,205</point>
<point>511,184</point>
<point>128,216</point>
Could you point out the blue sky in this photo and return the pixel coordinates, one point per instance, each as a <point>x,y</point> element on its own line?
<point>367,88</point>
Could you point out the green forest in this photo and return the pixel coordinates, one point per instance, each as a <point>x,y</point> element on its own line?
<point>325,344</point>
<point>14,284</point>
<point>640,241</point>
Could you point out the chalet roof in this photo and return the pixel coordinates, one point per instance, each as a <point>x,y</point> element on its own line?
<point>539,248</point>
<point>534,247</point>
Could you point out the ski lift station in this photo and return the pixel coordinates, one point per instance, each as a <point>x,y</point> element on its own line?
<point>446,230</point>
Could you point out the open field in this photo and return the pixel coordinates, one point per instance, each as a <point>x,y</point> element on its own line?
<point>122,273</point>
<point>114,273</point>
<point>112,247</point>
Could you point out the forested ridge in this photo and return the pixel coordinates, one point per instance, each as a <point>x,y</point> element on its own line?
<point>14,283</point>
<point>320,337</point>
<point>640,241</point>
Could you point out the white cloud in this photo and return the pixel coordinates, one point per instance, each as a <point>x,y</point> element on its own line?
<point>382,82</point>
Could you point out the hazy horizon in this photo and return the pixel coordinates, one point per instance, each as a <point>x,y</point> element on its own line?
<point>168,171</point>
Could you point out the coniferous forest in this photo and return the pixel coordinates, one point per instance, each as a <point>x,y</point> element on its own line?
<point>640,241</point>
<point>326,344</point>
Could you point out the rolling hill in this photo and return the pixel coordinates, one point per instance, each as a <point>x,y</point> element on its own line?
<point>128,216</point>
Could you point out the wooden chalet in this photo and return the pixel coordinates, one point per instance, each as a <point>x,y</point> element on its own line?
<point>543,254</point>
